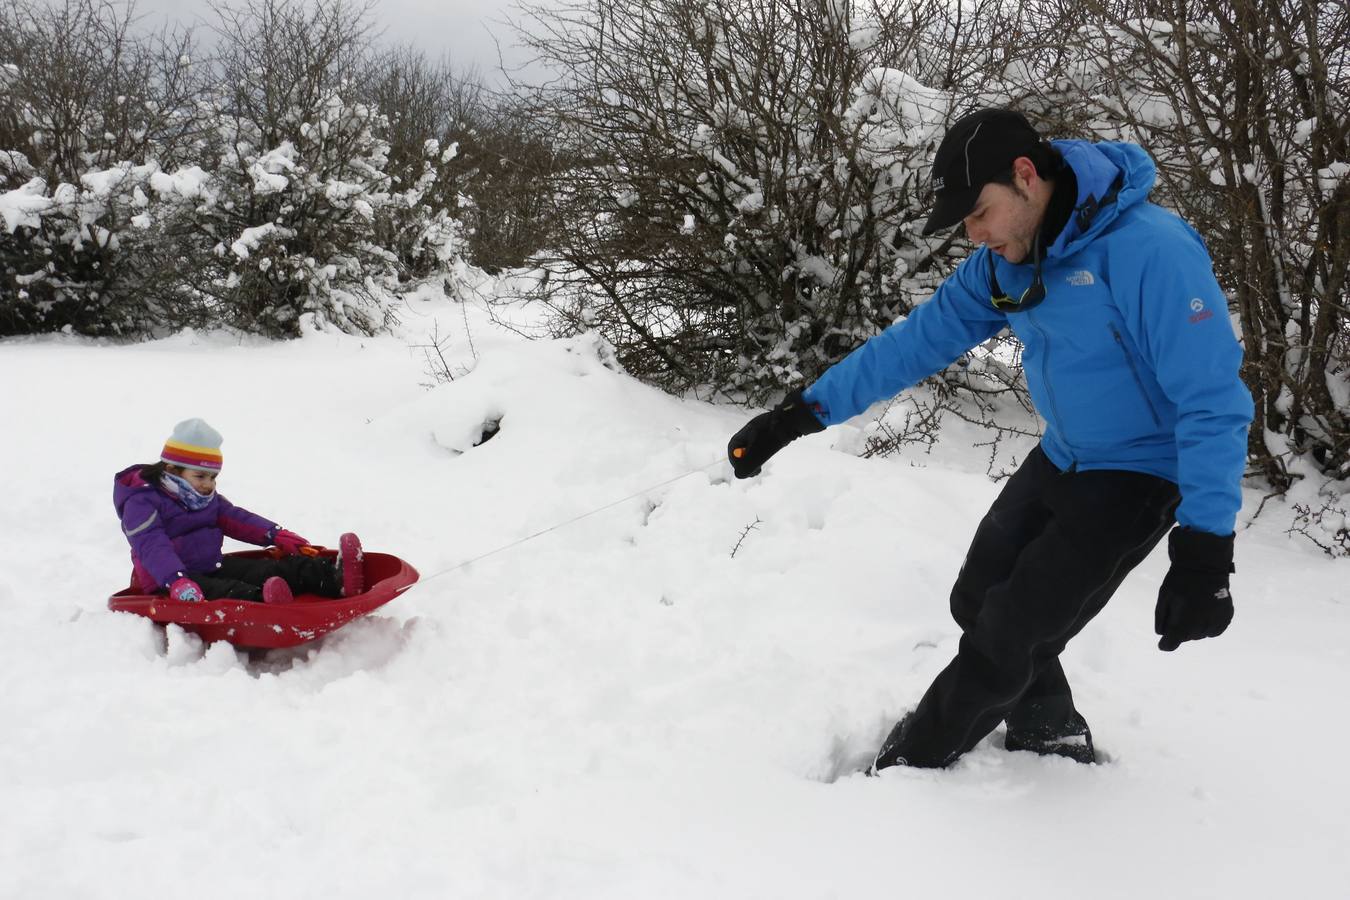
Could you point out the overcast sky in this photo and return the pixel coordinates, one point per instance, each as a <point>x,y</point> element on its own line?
<point>464,29</point>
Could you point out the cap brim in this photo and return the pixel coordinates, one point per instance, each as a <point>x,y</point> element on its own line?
<point>951,208</point>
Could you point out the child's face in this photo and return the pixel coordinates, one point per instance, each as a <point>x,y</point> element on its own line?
<point>202,481</point>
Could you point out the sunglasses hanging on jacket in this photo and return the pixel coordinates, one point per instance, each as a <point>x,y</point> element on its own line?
<point>1031,296</point>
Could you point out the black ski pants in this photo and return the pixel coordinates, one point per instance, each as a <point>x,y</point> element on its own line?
<point>1047,556</point>
<point>242,579</point>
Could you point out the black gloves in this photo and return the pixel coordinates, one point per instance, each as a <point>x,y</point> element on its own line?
<point>1193,601</point>
<point>769,432</point>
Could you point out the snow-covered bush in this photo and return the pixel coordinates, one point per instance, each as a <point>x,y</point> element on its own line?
<point>251,194</point>
<point>508,159</point>
<point>1244,106</point>
<point>751,185</point>
<point>85,257</point>
<point>422,105</point>
<point>298,191</point>
<point>494,157</point>
<point>79,95</point>
<point>83,91</point>
<point>282,226</point>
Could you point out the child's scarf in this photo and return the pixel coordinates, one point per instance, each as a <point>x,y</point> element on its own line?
<point>179,489</point>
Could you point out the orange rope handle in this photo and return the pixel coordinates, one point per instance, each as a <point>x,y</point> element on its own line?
<point>307,550</point>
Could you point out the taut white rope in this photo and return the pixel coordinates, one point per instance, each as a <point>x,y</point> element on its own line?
<point>573,520</point>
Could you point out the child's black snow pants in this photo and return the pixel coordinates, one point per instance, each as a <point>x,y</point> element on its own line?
<point>1047,556</point>
<point>242,579</point>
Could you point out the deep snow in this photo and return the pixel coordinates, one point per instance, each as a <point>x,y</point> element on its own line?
<point>618,708</point>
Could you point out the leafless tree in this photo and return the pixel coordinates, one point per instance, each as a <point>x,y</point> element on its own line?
<point>81,90</point>
<point>1245,104</point>
<point>509,162</point>
<point>728,219</point>
<point>497,157</point>
<point>88,91</point>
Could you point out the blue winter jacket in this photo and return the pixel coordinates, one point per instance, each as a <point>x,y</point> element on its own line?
<point>1130,359</point>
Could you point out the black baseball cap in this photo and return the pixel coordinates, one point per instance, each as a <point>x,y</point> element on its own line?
<point>977,149</point>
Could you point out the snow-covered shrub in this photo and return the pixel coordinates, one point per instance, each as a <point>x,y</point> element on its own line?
<point>258,191</point>
<point>85,257</point>
<point>493,158</point>
<point>1244,106</point>
<point>282,226</point>
<point>297,174</point>
<point>422,104</point>
<point>305,217</point>
<point>752,185</point>
<point>82,90</point>
<point>79,95</point>
<point>507,161</point>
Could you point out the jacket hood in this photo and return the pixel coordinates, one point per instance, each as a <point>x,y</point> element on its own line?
<point>1100,167</point>
<point>127,482</point>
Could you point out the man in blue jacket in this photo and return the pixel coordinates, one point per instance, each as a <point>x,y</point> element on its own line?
<point>1131,361</point>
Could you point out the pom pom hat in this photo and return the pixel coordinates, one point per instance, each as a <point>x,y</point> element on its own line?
<point>193,444</point>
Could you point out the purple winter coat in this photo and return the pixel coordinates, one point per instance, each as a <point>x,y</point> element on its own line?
<point>168,540</point>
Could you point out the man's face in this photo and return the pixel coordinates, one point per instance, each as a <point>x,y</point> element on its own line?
<point>1005,219</point>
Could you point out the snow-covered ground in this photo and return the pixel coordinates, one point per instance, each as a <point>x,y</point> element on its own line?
<point>619,708</point>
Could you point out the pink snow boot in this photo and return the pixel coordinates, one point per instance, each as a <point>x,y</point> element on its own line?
<point>351,565</point>
<point>276,590</point>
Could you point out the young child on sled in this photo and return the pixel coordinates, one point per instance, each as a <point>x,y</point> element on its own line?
<point>176,523</point>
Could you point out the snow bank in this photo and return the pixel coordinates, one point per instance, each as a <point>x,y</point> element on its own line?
<point>619,707</point>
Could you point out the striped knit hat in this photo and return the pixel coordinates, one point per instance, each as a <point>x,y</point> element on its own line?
<point>193,444</point>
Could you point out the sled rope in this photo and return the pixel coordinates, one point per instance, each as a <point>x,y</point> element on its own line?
<point>573,520</point>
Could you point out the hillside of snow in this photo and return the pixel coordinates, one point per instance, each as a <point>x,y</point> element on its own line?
<point>619,707</point>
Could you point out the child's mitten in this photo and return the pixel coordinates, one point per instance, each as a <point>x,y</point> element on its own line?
<point>185,589</point>
<point>289,542</point>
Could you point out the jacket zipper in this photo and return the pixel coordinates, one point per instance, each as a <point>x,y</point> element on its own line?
<point>1050,390</point>
<point>1134,371</point>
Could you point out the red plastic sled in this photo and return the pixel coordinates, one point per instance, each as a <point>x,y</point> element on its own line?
<point>268,626</point>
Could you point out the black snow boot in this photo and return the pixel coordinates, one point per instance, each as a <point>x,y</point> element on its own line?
<point>1073,742</point>
<point>889,754</point>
